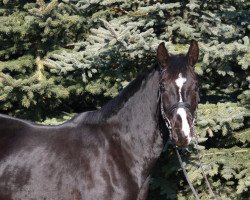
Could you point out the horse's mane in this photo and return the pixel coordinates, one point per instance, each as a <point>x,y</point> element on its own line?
<point>115,104</point>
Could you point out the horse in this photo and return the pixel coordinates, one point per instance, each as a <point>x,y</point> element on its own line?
<point>106,154</point>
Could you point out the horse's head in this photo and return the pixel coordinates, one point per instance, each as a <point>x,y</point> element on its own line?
<point>179,92</point>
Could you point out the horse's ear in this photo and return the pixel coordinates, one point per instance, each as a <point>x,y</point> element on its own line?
<point>193,53</point>
<point>162,55</point>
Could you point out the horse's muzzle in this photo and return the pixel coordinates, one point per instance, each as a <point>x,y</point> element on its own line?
<point>180,139</point>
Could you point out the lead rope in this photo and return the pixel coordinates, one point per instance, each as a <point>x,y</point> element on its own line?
<point>186,175</point>
<point>212,195</point>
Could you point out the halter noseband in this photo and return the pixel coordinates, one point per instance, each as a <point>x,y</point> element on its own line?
<point>184,105</point>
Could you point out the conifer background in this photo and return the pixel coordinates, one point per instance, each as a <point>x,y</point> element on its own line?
<point>58,58</point>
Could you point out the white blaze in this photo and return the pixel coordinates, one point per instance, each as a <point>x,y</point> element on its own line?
<point>180,82</point>
<point>181,111</point>
<point>185,125</point>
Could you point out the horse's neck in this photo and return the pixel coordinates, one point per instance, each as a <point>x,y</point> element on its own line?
<point>138,119</point>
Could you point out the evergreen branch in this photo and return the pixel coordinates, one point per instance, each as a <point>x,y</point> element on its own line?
<point>18,82</point>
<point>40,68</point>
<point>138,14</point>
<point>51,64</point>
<point>75,44</point>
<point>7,79</point>
<point>41,4</point>
<point>110,28</point>
<point>51,6</point>
<point>43,9</point>
<point>119,10</point>
<point>225,153</point>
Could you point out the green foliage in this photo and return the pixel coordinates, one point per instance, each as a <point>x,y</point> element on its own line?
<point>59,119</point>
<point>223,118</point>
<point>28,32</point>
<point>75,55</point>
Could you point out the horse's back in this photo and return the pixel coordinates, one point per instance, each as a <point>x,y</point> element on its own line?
<point>70,161</point>
<point>13,132</point>
<point>39,162</point>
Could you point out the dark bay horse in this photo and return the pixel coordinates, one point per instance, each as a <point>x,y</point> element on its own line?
<point>105,154</point>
